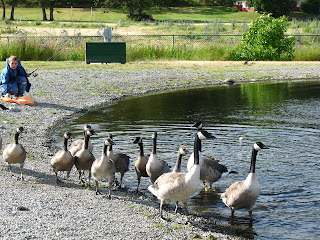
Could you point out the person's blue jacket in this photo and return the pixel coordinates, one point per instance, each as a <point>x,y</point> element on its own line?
<point>8,75</point>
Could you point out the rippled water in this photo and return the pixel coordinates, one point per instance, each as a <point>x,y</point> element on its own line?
<point>284,116</point>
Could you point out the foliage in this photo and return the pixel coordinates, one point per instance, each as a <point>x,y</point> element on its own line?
<point>265,40</point>
<point>42,50</point>
<point>135,8</point>
<point>276,7</point>
<point>311,6</point>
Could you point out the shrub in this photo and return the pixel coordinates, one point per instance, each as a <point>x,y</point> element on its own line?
<point>265,40</point>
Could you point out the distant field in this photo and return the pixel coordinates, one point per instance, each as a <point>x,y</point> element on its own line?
<point>196,14</point>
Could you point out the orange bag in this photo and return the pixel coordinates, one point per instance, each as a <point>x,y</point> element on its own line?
<point>19,100</point>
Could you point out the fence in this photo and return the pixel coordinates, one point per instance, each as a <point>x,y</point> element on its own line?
<point>170,46</point>
<point>169,39</point>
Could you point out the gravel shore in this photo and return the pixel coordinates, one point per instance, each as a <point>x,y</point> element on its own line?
<point>38,208</point>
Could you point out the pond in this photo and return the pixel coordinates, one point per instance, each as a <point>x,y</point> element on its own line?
<point>285,116</point>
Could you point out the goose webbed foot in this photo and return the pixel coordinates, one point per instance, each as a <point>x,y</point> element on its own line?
<point>165,219</point>
<point>58,181</point>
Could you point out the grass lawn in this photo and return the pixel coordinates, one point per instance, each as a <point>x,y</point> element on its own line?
<point>196,14</point>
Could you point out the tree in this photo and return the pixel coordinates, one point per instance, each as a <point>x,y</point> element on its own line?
<point>43,4</point>
<point>276,7</point>
<point>4,10</point>
<point>265,40</point>
<point>135,8</point>
<point>51,5</point>
<point>12,9</point>
<point>311,6</point>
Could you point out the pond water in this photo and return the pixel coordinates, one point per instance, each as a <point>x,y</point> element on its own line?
<point>284,116</point>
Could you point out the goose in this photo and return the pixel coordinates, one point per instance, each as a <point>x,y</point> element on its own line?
<point>83,159</point>
<point>177,186</point>
<point>77,145</point>
<point>211,170</point>
<point>103,168</point>
<point>245,193</point>
<point>121,160</point>
<point>181,152</point>
<point>63,160</point>
<point>140,164</point>
<point>177,168</point>
<point>156,167</point>
<point>14,153</point>
<point>202,134</point>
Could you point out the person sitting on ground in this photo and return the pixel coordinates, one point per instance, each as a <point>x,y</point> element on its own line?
<point>14,78</point>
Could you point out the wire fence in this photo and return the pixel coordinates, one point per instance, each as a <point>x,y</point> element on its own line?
<point>167,39</point>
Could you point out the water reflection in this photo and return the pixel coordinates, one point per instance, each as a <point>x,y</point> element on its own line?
<point>285,116</point>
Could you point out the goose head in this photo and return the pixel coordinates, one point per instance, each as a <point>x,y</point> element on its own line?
<point>203,134</point>
<point>259,145</point>
<point>183,150</point>
<point>137,140</point>
<point>19,130</point>
<point>67,135</point>
<point>86,127</point>
<point>154,135</point>
<point>109,142</point>
<point>198,125</point>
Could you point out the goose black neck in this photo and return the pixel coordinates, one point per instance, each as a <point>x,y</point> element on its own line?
<point>200,145</point>
<point>197,144</point>
<point>141,149</point>
<point>154,146</point>
<point>65,144</point>
<point>16,137</point>
<point>86,141</point>
<point>177,167</point>
<point>253,160</point>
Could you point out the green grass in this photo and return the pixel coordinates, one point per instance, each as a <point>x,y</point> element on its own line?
<point>196,14</point>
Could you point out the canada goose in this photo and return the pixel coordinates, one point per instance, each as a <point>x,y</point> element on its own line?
<point>103,167</point>
<point>177,186</point>
<point>14,153</point>
<point>121,160</point>
<point>177,168</point>
<point>181,151</point>
<point>156,167</point>
<point>202,134</point>
<point>84,158</point>
<point>140,164</point>
<point>245,193</point>
<point>63,160</point>
<point>211,171</point>
<point>77,145</point>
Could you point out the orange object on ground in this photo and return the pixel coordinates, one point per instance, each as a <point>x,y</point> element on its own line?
<point>19,100</point>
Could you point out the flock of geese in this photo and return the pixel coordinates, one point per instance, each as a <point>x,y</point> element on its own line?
<point>166,184</point>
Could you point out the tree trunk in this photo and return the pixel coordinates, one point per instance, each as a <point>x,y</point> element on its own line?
<point>131,13</point>
<point>44,14</point>
<point>12,9</point>
<point>51,10</point>
<point>4,10</point>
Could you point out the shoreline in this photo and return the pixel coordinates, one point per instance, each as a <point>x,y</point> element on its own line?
<point>70,211</point>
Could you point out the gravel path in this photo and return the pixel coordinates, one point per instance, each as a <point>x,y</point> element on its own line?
<point>38,208</point>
